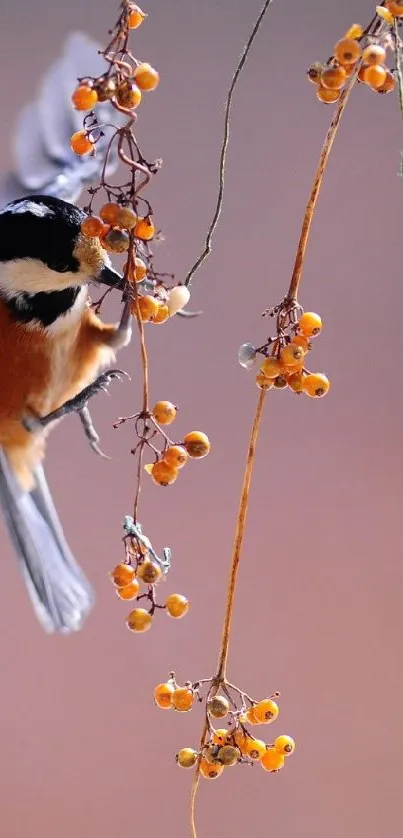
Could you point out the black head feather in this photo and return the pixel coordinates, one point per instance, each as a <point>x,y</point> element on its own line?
<point>41,227</point>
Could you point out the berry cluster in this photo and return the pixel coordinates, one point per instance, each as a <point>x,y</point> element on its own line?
<point>223,747</point>
<point>142,566</point>
<point>173,455</point>
<point>362,52</point>
<point>123,84</point>
<point>284,362</point>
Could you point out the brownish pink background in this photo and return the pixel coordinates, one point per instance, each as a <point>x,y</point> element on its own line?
<point>319,609</point>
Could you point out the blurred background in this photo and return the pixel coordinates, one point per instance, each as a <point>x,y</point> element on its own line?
<point>319,610</point>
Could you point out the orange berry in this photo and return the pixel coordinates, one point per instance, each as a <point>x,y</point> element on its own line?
<point>164,412</point>
<point>333,77</point>
<point>301,340</point>
<point>210,771</point>
<point>229,755</point>
<point>271,367</point>
<point>162,313</point>
<point>284,745</point>
<point>327,96</point>
<point>109,213</point>
<point>135,18</point>
<point>144,229</point>
<point>347,51</point>
<point>263,382</point>
<point>315,385</point>
<point>84,98</point>
<point>197,444</point>
<point>374,54</point>
<point>374,75</point>
<point>117,241</point>
<point>149,572</point>
<point>139,620</point>
<point>385,14</point>
<point>106,90</point>
<point>146,77</point>
<point>266,711</point>
<point>210,754</point>
<point>272,760</point>
<point>126,218</point>
<point>123,574</point>
<point>182,699</point>
<point>254,748</point>
<point>292,354</point>
<point>280,382</point>
<point>240,740</point>
<point>176,456</point>
<point>163,474</point>
<point>249,716</point>
<point>395,7</point>
<point>148,307</point>
<point>92,226</point>
<point>128,95</point>
<point>177,606</point>
<point>310,324</point>
<point>129,591</point>
<point>295,382</point>
<point>314,72</point>
<point>221,736</point>
<point>355,31</point>
<point>80,143</point>
<point>163,696</point>
<point>388,85</point>
<point>218,706</point>
<point>140,269</point>
<point>186,757</point>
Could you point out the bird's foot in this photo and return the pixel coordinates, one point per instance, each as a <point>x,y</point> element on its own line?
<point>78,404</point>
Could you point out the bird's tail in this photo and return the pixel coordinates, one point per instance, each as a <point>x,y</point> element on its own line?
<point>60,593</point>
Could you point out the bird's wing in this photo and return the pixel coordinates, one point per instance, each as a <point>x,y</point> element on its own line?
<point>43,160</point>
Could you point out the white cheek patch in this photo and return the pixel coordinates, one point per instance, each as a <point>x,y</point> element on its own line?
<point>40,210</point>
<point>72,317</point>
<point>31,276</point>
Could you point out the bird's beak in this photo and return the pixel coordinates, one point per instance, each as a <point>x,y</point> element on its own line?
<point>109,276</point>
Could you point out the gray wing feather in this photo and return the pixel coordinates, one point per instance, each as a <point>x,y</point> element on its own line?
<point>61,595</point>
<point>43,160</point>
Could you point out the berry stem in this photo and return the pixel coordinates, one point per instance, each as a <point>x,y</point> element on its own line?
<point>238,540</point>
<point>224,146</point>
<point>314,194</point>
<point>399,69</point>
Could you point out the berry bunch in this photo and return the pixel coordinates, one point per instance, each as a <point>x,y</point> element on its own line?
<point>284,362</point>
<point>123,84</point>
<point>362,52</point>
<point>173,455</point>
<point>142,566</point>
<point>224,747</point>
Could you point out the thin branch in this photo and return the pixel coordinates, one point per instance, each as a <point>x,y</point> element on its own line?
<point>239,536</point>
<point>399,68</point>
<point>223,155</point>
<point>314,194</point>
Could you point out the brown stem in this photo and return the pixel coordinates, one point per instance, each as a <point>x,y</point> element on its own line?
<point>239,535</point>
<point>399,68</point>
<point>236,555</point>
<point>314,194</point>
<point>223,154</point>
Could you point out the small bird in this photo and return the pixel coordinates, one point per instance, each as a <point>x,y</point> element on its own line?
<point>52,344</point>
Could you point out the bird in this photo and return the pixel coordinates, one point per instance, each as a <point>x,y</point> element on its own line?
<point>54,349</point>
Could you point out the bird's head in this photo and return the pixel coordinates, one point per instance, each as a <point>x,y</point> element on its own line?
<point>42,248</point>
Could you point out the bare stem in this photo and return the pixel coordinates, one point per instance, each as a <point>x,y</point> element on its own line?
<point>314,194</point>
<point>223,155</point>
<point>239,535</point>
<point>399,68</point>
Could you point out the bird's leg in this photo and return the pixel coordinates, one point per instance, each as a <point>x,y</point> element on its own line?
<point>78,404</point>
